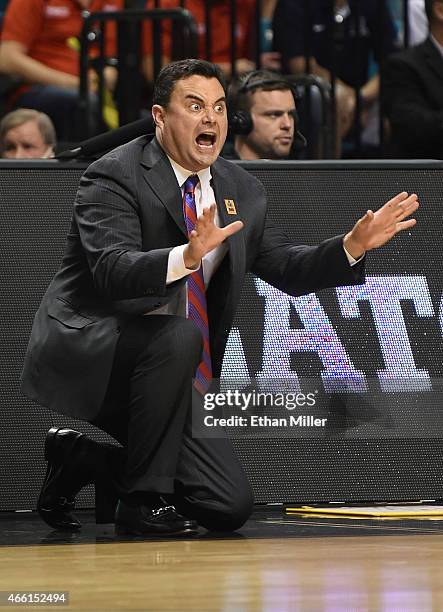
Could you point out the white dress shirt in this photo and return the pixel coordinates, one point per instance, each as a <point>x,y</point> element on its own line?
<point>418,22</point>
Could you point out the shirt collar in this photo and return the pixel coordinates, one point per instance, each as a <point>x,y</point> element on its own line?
<point>181,174</point>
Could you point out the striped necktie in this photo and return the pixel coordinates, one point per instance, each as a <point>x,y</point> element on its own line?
<point>197,310</point>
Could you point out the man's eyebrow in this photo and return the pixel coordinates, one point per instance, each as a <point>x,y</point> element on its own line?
<point>279,110</point>
<point>191,96</point>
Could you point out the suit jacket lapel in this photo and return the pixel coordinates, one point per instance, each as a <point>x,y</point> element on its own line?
<point>159,175</point>
<point>224,190</point>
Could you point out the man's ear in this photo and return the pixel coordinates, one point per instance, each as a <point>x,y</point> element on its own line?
<point>158,113</point>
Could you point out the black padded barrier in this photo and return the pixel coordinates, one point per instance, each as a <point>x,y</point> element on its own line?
<point>390,452</point>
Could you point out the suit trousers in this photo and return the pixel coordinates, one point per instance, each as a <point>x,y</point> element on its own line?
<point>147,409</point>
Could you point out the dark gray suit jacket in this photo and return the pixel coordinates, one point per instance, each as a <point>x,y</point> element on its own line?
<point>127,218</point>
<point>413,101</point>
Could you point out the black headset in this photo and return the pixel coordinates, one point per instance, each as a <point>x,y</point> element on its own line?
<point>240,121</point>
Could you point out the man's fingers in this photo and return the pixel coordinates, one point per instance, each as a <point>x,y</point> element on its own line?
<point>404,225</point>
<point>367,217</point>
<point>232,228</point>
<point>401,203</point>
<point>208,215</point>
<point>408,207</point>
<point>209,212</point>
<point>400,197</point>
<point>212,210</point>
<point>206,218</point>
<point>399,226</point>
<point>400,207</point>
<point>409,201</point>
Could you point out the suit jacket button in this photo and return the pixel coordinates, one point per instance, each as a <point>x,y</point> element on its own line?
<point>118,329</point>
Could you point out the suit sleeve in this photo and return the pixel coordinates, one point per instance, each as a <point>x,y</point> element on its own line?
<point>301,269</point>
<point>414,124</point>
<point>107,214</point>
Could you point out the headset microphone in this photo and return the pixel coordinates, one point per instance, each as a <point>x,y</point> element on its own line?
<point>301,139</point>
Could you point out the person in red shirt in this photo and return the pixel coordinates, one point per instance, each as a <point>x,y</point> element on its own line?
<point>220,33</point>
<point>39,44</point>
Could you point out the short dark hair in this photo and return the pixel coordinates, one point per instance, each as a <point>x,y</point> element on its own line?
<point>429,5</point>
<point>239,92</point>
<point>183,69</point>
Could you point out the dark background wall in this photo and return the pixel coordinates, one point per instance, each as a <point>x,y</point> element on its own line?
<point>382,443</point>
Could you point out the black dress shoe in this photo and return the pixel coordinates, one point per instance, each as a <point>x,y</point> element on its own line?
<point>66,474</point>
<point>158,521</point>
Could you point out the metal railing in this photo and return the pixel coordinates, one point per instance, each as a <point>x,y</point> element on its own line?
<point>128,57</point>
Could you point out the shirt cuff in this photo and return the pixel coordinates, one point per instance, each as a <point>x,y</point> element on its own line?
<point>176,265</point>
<point>351,259</point>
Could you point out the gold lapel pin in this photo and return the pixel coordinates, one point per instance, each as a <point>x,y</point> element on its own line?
<point>230,207</point>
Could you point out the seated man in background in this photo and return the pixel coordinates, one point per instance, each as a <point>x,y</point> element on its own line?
<point>343,49</point>
<point>39,43</point>
<point>413,93</point>
<point>262,116</point>
<point>27,134</point>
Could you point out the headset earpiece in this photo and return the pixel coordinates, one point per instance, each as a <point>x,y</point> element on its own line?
<point>240,122</point>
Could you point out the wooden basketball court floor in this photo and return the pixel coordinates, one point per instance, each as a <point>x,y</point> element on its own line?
<point>274,563</point>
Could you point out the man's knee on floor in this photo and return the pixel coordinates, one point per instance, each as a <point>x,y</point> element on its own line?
<point>231,514</point>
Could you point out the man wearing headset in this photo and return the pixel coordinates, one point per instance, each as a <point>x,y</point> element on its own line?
<point>262,116</point>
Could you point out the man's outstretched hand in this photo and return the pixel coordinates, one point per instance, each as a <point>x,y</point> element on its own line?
<point>375,229</point>
<point>206,236</point>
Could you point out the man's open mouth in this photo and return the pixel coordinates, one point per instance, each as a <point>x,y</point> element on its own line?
<point>206,140</point>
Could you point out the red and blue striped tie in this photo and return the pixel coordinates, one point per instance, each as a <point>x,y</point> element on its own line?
<point>197,310</point>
